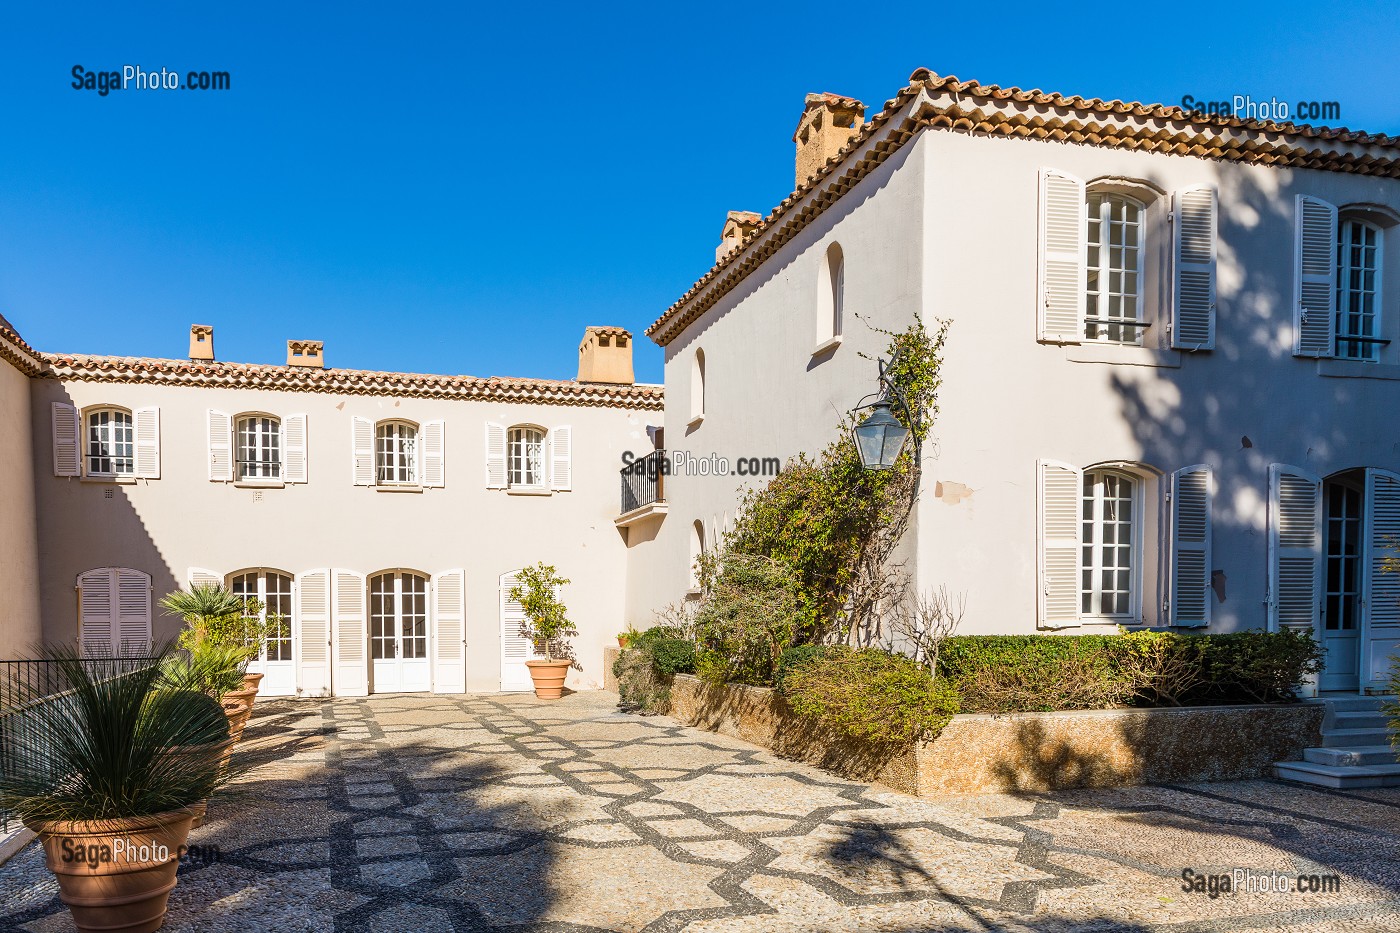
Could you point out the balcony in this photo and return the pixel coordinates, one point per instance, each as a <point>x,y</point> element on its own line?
<point>643,489</point>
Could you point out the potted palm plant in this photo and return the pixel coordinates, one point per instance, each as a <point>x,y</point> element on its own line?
<point>217,619</point>
<point>547,625</point>
<point>105,774</point>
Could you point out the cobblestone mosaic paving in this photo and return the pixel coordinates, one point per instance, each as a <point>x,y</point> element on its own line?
<point>427,813</point>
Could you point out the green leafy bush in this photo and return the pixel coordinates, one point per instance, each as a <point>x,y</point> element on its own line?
<point>795,657</point>
<point>748,616</point>
<point>644,669</point>
<point>867,695</point>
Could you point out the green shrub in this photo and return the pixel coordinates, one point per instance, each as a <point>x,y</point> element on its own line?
<point>868,695</point>
<point>747,617</point>
<point>793,658</point>
<point>672,655</point>
<point>1256,667</point>
<point>645,668</point>
<point>1018,673</point>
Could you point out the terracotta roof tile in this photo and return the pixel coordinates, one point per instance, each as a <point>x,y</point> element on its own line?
<point>984,109</point>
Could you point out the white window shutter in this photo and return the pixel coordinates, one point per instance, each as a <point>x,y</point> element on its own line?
<point>433,452</point>
<point>67,440</point>
<point>561,458</point>
<point>1295,548</point>
<point>1380,587</point>
<point>449,638</point>
<point>350,674</point>
<point>198,576</point>
<point>495,456</point>
<point>311,631</point>
<point>133,621</point>
<point>1061,488</point>
<point>96,611</point>
<point>1192,493</point>
<point>1195,223</point>
<point>1315,277</point>
<point>146,428</point>
<point>1063,257</point>
<point>294,458</point>
<point>362,451</point>
<point>220,446</point>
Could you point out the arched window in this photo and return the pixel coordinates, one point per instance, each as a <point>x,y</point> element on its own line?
<point>697,550</point>
<point>526,457</point>
<point>396,453</point>
<point>1114,305</point>
<point>1111,531</point>
<point>831,288</point>
<point>259,440</point>
<point>273,592</point>
<point>697,385</point>
<point>111,443</point>
<point>398,615</point>
<point>1358,289</point>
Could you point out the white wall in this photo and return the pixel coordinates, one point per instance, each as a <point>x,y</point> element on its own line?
<point>19,573</point>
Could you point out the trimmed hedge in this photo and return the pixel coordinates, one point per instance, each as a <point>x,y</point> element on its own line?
<point>1014,673</point>
<point>645,667</point>
<point>868,695</point>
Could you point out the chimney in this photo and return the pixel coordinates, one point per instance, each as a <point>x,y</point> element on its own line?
<point>605,355</point>
<point>201,343</point>
<point>737,225</point>
<point>828,123</point>
<point>307,353</point>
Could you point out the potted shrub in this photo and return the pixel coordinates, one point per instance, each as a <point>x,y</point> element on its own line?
<point>105,775</point>
<point>625,638</point>
<point>216,671</point>
<point>217,618</point>
<point>547,624</point>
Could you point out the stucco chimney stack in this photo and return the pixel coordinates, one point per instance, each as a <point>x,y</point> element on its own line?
<point>737,225</point>
<point>306,353</point>
<point>605,355</point>
<point>828,123</point>
<point>201,343</point>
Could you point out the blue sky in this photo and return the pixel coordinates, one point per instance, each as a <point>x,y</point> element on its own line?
<point>438,188</point>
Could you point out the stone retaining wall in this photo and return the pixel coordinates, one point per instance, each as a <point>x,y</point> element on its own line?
<point>983,754</point>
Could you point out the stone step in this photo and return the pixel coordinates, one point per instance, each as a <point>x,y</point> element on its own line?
<point>1349,738</point>
<point>1355,755</point>
<point>1359,720</point>
<point>1340,778</point>
<point>1352,703</point>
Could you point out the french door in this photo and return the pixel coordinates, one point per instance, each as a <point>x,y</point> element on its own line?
<point>398,633</point>
<point>1342,575</point>
<point>275,658</point>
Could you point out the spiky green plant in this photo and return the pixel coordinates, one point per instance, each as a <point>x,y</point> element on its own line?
<point>115,745</point>
<point>209,668</point>
<point>214,614</point>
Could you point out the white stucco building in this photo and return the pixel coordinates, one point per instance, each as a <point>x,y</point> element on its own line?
<point>1173,347</point>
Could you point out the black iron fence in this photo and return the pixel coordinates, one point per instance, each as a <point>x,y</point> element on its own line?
<point>643,481</point>
<point>27,685</point>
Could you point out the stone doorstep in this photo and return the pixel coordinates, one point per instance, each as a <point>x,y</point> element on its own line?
<point>12,842</point>
<point>1349,738</point>
<point>1360,720</point>
<point>1339,777</point>
<point>1354,755</point>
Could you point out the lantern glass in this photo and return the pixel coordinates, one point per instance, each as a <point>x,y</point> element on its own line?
<point>880,438</point>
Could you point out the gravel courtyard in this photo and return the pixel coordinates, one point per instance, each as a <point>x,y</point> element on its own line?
<point>427,813</point>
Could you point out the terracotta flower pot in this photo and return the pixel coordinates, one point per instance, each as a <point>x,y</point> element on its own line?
<point>244,696</point>
<point>115,875</point>
<point>251,682</point>
<point>237,714</point>
<point>622,640</point>
<point>200,811</point>
<point>548,677</point>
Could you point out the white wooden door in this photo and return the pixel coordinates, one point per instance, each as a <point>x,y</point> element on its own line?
<point>399,633</point>
<point>276,658</point>
<point>1343,556</point>
<point>516,648</point>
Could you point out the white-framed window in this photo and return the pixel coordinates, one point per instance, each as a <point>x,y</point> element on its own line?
<point>697,385</point>
<point>398,615</point>
<point>273,590</point>
<point>1113,292</point>
<point>526,457</point>
<point>1358,290</point>
<point>111,442</point>
<point>258,440</point>
<point>396,453</point>
<point>831,296</point>
<point>1110,543</point>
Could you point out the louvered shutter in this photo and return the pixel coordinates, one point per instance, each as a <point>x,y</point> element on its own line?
<point>146,428</point>
<point>198,576</point>
<point>561,458</point>
<point>312,628</point>
<point>1381,588</point>
<point>220,426</point>
<point>495,456</point>
<point>1195,220</point>
<point>351,673</point>
<point>1063,255</point>
<point>294,457</point>
<point>433,469</point>
<point>362,450</point>
<point>1192,491</point>
<point>1295,548</point>
<point>67,440</point>
<point>516,648</point>
<point>96,612</point>
<point>449,617</point>
<point>133,619</point>
<point>1315,277</point>
<point>1060,516</point>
